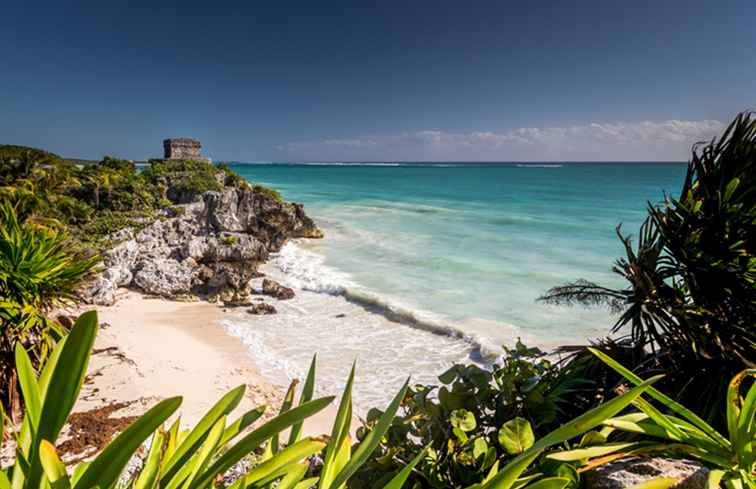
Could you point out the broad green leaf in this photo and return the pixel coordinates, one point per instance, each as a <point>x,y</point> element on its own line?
<point>307,483</point>
<point>550,483</point>
<point>463,420</point>
<point>657,483</point>
<point>170,447</point>
<point>583,423</point>
<point>516,436</point>
<point>667,401</point>
<point>339,432</point>
<point>592,452</point>
<point>148,477</point>
<point>399,479</point>
<point>107,466</point>
<point>53,467</point>
<point>289,455</point>
<point>307,392</point>
<point>372,439</point>
<point>256,437</point>
<point>63,389</point>
<point>29,388</point>
<point>184,450</point>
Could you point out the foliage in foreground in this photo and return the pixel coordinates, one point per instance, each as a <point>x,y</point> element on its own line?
<point>37,273</point>
<point>733,455</point>
<point>690,296</point>
<point>198,458</point>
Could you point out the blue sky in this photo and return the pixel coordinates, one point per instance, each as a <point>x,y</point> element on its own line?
<point>419,80</point>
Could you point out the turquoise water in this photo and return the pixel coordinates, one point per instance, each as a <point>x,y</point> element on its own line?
<point>469,247</point>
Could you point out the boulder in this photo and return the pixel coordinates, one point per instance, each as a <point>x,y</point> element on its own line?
<point>274,289</point>
<point>164,276</point>
<point>632,471</point>
<point>261,308</point>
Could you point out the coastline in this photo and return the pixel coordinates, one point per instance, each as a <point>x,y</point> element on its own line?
<point>151,348</point>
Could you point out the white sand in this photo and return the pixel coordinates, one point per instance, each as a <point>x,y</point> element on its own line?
<point>154,349</point>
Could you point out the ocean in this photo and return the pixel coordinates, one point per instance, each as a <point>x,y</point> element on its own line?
<point>425,265</point>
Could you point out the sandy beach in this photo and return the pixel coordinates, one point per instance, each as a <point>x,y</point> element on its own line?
<point>149,349</point>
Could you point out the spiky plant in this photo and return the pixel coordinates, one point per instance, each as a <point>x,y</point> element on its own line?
<point>690,296</point>
<point>37,273</point>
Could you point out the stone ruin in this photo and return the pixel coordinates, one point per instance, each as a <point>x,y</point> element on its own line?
<point>183,149</point>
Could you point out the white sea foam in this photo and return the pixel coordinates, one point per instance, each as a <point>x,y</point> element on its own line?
<point>341,321</point>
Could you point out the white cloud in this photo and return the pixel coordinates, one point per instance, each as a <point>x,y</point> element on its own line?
<point>628,141</point>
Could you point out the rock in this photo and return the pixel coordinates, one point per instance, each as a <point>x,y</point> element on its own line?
<point>274,289</point>
<point>164,276</point>
<point>238,300</point>
<point>214,244</point>
<point>262,308</point>
<point>629,472</point>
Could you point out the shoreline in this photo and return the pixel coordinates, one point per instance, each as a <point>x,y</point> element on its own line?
<point>153,348</point>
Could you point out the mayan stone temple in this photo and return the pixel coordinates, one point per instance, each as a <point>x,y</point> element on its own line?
<point>183,149</point>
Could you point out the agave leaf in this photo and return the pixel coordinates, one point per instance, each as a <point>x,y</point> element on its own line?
<point>673,432</point>
<point>307,483</point>
<point>288,401</point>
<point>256,437</point>
<point>5,483</point>
<point>63,389</point>
<point>225,405</point>
<point>339,432</point>
<point>307,392</point>
<point>399,479</point>
<point>148,477</point>
<point>170,447</point>
<point>240,424</point>
<point>715,477</point>
<point>657,483</point>
<point>206,451</point>
<point>667,401</point>
<point>743,429</point>
<point>283,459</point>
<point>53,467</point>
<point>550,483</point>
<point>371,441</point>
<point>29,388</point>
<point>105,469</point>
<point>592,452</point>
<point>293,476</point>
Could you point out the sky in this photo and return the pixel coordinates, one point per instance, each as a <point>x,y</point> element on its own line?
<point>376,81</point>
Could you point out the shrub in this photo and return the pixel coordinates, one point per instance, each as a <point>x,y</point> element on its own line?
<point>690,296</point>
<point>38,271</point>
<point>459,423</point>
<point>684,433</point>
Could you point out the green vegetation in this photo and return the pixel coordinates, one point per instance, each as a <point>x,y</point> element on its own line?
<point>196,458</point>
<point>733,456</point>
<point>690,302</point>
<point>37,273</point>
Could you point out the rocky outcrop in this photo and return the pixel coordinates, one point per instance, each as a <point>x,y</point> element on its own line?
<point>630,472</point>
<point>274,289</point>
<point>212,246</point>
